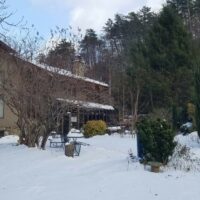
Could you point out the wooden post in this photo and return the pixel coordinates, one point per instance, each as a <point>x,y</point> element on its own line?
<point>70,123</point>
<point>78,117</point>
<point>62,126</point>
<point>83,114</point>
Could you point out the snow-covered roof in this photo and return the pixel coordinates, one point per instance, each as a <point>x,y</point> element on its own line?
<point>69,74</point>
<point>89,105</point>
<point>53,69</point>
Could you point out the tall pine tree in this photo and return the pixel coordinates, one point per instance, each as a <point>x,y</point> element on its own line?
<point>197,97</point>
<point>170,57</point>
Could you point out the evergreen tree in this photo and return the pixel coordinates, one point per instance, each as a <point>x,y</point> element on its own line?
<point>185,10</point>
<point>196,19</point>
<point>89,47</point>
<point>61,56</point>
<point>124,37</point>
<point>189,11</point>
<point>137,75</point>
<point>169,53</point>
<point>156,139</point>
<point>197,96</point>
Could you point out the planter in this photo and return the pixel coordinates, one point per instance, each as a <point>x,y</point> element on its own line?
<point>155,166</point>
<point>69,150</point>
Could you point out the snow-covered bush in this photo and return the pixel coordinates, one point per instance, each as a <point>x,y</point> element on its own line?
<point>156,140</point>
<point>94,127</point>
<point>184,159</point>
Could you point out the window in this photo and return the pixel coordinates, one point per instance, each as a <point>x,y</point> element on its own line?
<point>1,107</point>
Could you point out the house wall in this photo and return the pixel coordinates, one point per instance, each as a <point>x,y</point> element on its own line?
<point>9,121</point>
<point>65,87</point>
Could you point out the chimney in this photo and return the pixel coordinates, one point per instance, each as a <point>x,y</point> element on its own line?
<point>78,66</point>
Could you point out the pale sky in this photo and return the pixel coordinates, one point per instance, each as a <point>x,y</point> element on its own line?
<point>46,14</point>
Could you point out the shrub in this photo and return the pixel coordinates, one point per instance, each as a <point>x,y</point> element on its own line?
<point>94,127</point>
<point>156,140</point>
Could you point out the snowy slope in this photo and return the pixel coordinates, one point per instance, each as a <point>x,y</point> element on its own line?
<point>100,173</point>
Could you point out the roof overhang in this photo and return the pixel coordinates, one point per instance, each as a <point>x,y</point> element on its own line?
<point>87,105</point>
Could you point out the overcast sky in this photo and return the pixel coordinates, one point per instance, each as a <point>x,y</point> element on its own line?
<point>46,14</point>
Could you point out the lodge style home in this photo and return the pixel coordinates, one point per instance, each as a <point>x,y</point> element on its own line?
<point>88,98</point>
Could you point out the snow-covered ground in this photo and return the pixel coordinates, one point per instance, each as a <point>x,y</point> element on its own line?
<point>101,172</point>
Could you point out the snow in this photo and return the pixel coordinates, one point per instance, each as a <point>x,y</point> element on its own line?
<point>85,104</point>
<point>187,124</point>
<point>190,140</point>
<point>114,128</point>
<point>187,153</point>
<point>9,139</point>
<point>101,172</point>
<point>65,72</point>
<point>75,133</point>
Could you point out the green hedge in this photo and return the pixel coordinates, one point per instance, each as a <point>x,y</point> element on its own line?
<point>94,127</point>
<point>157,140</point>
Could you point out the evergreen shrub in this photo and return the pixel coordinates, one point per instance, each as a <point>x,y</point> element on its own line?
<point>156,138</point>
<point>94,127</point>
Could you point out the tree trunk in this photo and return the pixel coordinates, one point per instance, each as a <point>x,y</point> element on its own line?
<point>197,97</point>
<point>29,133</point>
<point>22,135</point>
<point>44,141</point>
<point>135,108</point>
<point>45,138</point>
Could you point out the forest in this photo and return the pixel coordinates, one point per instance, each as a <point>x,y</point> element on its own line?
<point>149,59</point>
